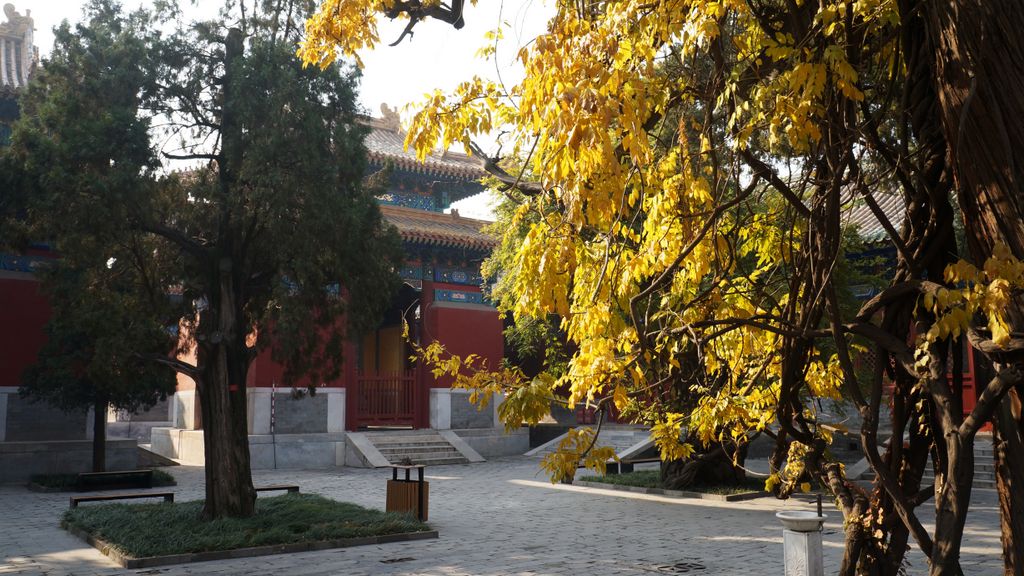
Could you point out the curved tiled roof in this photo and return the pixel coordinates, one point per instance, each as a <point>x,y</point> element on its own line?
<point>437,229</point>
<point>386,143</point>
<point>868,226</point>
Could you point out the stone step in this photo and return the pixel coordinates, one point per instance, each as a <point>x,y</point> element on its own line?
<point>401,440</point>
<point>437,443</point>
<point>426,450</point>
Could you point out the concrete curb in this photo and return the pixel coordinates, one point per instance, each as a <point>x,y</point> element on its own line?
<point>677,493</point>
<point>132,563</point>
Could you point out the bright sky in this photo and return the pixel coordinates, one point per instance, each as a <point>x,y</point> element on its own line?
<point>437,56</point>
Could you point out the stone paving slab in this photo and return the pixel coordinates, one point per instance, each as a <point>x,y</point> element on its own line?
<point>495,518</point>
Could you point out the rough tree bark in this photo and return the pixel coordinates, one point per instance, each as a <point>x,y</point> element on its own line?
<point>979,78</point>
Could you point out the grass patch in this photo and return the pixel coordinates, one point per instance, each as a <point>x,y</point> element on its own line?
<point>174,528</point>
<point>652,479</point>
<point>69,482</point>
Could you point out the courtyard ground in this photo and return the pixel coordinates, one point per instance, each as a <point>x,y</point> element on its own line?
<point>495,518</point>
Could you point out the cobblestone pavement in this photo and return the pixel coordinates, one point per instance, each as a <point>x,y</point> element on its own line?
<point>496,518</point>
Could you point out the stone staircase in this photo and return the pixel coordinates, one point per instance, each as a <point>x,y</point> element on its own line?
<point>627,441</point>
<point>428,447</point>
<point>984,465</point>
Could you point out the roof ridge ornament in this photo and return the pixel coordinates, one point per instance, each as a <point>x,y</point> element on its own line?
<point>18,54</point>
<point>390,118</point>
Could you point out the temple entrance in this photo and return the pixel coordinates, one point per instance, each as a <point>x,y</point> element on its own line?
<point>386,385</point>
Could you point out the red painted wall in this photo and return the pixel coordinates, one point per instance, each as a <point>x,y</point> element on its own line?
<point>25,311</point>
<point>264,372</point>
<point>463,329</point>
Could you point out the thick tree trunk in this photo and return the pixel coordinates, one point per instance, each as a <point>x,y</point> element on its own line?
<point>229,489</point>
<point>711,468</point>
<point>99,435</point>
<point>979,78</point>
<point>224,362</point>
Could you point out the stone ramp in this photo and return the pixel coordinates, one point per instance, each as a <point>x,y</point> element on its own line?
<point>627,441</point>
<point>150,459</point>
<point>377,449</point>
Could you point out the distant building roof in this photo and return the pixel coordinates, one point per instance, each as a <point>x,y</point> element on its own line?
<point>868,226</point>
<point>386,143</point>
<point>436,229</point>
<point>18,54</point>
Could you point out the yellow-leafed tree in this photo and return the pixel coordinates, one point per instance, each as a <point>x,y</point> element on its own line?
<point>684,168</point>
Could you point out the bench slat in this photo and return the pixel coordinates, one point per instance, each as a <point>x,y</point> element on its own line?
<point>76,500</point>
<point>116,479</point>
<point>291,488</point>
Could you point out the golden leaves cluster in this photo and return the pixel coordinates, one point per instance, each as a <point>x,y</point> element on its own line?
<point>602,87</point>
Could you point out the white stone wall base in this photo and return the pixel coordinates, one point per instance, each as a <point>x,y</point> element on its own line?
<point>493,443</point>
<point>266,451</point>
<point>20,460</point>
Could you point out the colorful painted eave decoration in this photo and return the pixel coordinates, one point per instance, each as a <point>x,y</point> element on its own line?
<point>459,296</point>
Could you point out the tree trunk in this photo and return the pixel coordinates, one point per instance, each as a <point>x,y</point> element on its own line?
<point>952,498</point>
<point>224,358</point>
<point>979,78</point>
<point>229,489</point>
<point>711,468</point>
<point>1009,464</point>
<point>99,435</point>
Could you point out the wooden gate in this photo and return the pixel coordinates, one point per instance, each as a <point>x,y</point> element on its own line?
<point>386,399</point>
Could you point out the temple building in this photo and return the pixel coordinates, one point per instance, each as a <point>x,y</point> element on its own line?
<point>382,395</point>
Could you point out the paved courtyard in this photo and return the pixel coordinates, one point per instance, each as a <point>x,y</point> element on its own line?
<point>496,518</point>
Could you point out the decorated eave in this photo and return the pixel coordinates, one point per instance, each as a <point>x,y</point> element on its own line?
<point>386,144</point>
<point>437,229</point>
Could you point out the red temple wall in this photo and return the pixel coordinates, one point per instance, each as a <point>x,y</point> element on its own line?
<point>25,312</point>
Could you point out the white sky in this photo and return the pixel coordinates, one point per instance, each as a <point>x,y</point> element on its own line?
<point>437,56</point>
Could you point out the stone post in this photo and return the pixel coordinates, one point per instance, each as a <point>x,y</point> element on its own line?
<point>801,542</point>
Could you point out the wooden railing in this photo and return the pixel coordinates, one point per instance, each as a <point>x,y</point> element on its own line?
<point>386,398</point>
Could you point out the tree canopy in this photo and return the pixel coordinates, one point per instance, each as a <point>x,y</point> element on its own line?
<point>687,168</point>
<point>201,171</point>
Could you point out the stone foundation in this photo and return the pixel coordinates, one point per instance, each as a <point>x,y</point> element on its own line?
<point>494,443</point>
<point>20,460</point>
<point>266,451</point>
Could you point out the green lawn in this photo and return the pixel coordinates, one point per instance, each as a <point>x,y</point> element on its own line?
<point>652,479</point>
<point>166,528</point>
<point>69,482</point>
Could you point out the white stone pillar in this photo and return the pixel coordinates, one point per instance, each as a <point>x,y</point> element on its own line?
<point>3,415</point>
<point>3,61</point>
<point>88,423</point>
<point>258,401</point>
<point>801,542</point>
<point>495,402</point>
<point>441,408</point>
<point>335,409</point>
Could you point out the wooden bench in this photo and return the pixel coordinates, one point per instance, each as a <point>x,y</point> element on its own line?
<point>624,466</point>
<point>291,488</point>
<point>116,479</point>
<point>167,496</point>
